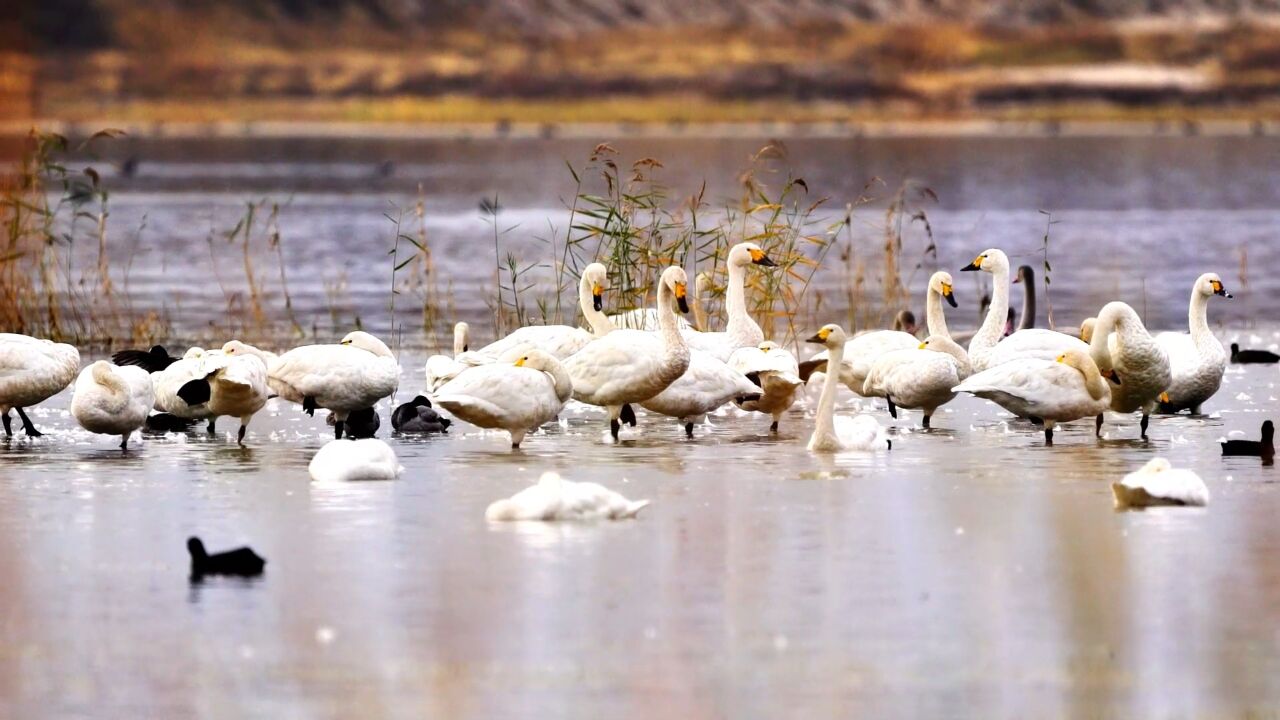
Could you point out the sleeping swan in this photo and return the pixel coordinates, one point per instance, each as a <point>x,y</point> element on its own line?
<point>554,498</point>
<point>354,460</point>
<point>352,375</point>
<point>1158,483</point>
<point>112,400</point>
<point>32,371</point>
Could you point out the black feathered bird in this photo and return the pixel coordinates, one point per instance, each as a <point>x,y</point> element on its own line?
<point>359,423</point>
<point>1265,449</point>
<point>241,561</point>
<point>1244,357</point>
<point>153,360</point>
<point>417,416</point>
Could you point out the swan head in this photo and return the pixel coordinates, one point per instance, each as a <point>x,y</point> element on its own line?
<point>941,283</point>
<point>1025,275</point>
<point>235,347</point>
<point>744,254</point>
<point>536,359</point>
<point>193,353</point>
<point>767,346</point>
<point>1086,329</point>
<point>364,341</point>
<point>701,284</point>
<point>1156,465</point>
<point>1209,284</point>
<point>943,344</point>
<point>596,277</point>
<point>677,281</point>
<point>831,335</point>
<point>990,260</point>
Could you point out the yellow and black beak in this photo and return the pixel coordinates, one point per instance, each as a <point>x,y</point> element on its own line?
<point>820,337</point>
<point>1219,290</point>
<point>949,295</point>
<point>1112,375</point>
<point>759,258</point>
<point>924,344</point>
<point>597,297</point>
<point>975,265</point>
<point>682,302</point>
<point>521,361</point>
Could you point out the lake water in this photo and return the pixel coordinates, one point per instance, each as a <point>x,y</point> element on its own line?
<point>968,572</point>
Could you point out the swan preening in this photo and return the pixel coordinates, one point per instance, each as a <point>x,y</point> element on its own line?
<point>112,400</point>
<point>354,460</point>
<point>1159,483</point>
<point>228,383</point>
<point>832,434</point>
<point>32,371</point>
<point>554,498</point>
<point>1121,344</point>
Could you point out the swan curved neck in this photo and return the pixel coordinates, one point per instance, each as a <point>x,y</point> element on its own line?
<point>699,312</point>
<point>105,377</point>
<point>993,326</point>
<point>563,382</point>
<point>740,326</point>
<point>459,340</point>
<point>600,323</point>
<point>1028,319</point>
<point>935,316</point>
<point>1198,321</point>
<point>1093,381</point>
<point>667,324</point>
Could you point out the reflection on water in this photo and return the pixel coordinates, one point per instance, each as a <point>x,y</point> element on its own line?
<point>970,567</point>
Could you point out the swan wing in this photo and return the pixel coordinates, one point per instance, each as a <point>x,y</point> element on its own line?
<point>625,364</point>
<point>560,341</point>
<point>707,384</point>
<point>501,396</point>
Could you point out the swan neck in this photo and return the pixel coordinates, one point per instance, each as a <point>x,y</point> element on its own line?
<point>600,323</point>
<point>825,423</point>
<point>1093,381</point>
<point>563,382</point>
<point>667,324</point>
<point>107,379</point>
<point>993,325</point>
<point>740,326</point>
<point>1028,319</point>
<point>699,312</point>
<point>459,340</point>
<point>935,316</point>
<point>1198,318</point>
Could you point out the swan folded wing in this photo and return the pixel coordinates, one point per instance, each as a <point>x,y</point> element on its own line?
<point>1034,343</point>
<point>337,376</point>
<point>705,385</point>
<point>560,341</point>
<point>610,366</point>
<point>716,344</point>
<point>1035,388</point>
<point>506,396</point>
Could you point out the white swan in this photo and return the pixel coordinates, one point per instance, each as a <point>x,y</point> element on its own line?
<point>233,384</point>
<point>554,498</point>
<point>987,349</point>
<point>1197,360</point>
<point>740,330</point>
<point>647,318</point>
<point>834,434</point>
<point>561,341</point>
<point>1053,391</point>
<point>865,348</point>
<point>354,460</point>
<point>112,400</point>
<point>777,373</point>
<point>440,369</point>
<point>168,381</point>
<point>515,395</point>
<point>352,375</point>
<point>629,366</point>
<point>1121,344</point>
<point>707,384</point>
<point>921,378</point>
<point>32,371</point>
<point>1158,483</point>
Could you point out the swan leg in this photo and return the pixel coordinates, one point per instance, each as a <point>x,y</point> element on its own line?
<point>27,425</point>
<point>124,443</point>
<point>893,409</point>
<point>688,430</point>
<point>1048,434</point>
<point>628,415</point>
<point>1146,419</point>
<point>210,430</point>
<point>309,405</point>
<point>926,421</point>
<point>337,429</point>
<point>1097,426</point>
<point>773,427</point>
<point>517,437</point>
<point>8,422</point>
<point>614,426</point>
<point>240,435</point>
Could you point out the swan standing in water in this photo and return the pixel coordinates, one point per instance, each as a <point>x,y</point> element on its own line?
<point>705,385</point>
<point>352,375</point>
<point>229,383</point>
<point>1060,391</point>
<point>517,395</point>
<point>554,498</point>
<point>864,349</point>
<point>1121,344</point>
<point>168,375</point>
<point>832,433</point>
<point>1026,277</point>
<point>112,400</point>
<point>1158,483</point>
<point>354,460</point>
<point>987,349</point>
<point>32,371</point>
<point>561,341</point>
<point>777,373</point>
<point>1197,360</point>
<point>630,366</point>
<point>740,330</point>
<point>440,369</point>
<point>920,378</point>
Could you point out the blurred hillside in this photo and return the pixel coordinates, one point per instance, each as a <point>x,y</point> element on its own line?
<point>659,60</point>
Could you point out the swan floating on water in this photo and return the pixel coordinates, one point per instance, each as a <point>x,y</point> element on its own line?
<point>112,400</point>
<point>554,498</point>
<point>32,370</point>
<point>1159,483</point>
<point>836,434</point>
<point>354,460</point>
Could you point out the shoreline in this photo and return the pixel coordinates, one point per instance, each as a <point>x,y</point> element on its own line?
<point>275,129</point>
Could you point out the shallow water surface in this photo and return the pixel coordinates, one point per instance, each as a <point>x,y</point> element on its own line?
<point>969,571</point>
